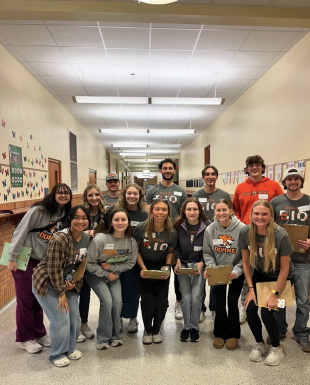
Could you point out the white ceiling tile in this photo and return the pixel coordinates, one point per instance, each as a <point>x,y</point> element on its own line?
<point>131,82</point>
<point>173,39</point>
<point>126,37</point>
<point>3,40</point>
<point>250,84</point>
<point>225,27</point>
<point>85,55</point>
<point>240,72</point>
<point>212,58</point>
<point>29,68</point>
<point>167,71</point>
<point>91,70</point>
<point>295,40</point>
<point>165,92</point>
<point>267,41</point>
<point>59,98</point>
<point>79,106</point>
<point>166,58</point>
<point>281,29</point>
<point>261,73</point>
<point>73,91</point>
<point>203,72</point>
<point>14,53</point>
<point>70,36</point>
<point>126,71</point>
<point>51,90</point>
<point>42,81</point>
<point>193,93</point>
<point>198,83</point>
<point>123,24</point>
<point>252,59</point>
<point>53,69</point>
<point>98,82</point>
<point>27,35</point>
<point>41,54</point>
<point>67,98</point>
<point>223,93</point>
<point>79,23</point>
<point>232,84</point>
<point>101,91</point>
<point>13,22</point>
<point>130,57</point>
<point>177,26</point>
<point>138,91</point>
<point>163,82</point>
<point>64,81</point>
<point>221,40</point>
<point>276,58</point>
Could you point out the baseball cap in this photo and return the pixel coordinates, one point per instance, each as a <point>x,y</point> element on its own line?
<point>111,176</point>
<point>292,171</point>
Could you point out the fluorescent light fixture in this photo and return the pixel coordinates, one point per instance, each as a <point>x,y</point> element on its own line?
<point>132,154</point>
<point>189,101</point>
<point>171,132</point>
<point>132,145</point>
<point>110,99</point>
<point>157,2</point>
<point>144,160</point>
<point>146,171</point>
<point>162,145</point>
<point>152,151</point>
<point>122,131</point>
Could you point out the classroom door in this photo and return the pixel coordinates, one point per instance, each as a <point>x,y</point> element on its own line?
<point>92,177</point>
<point>54,173</point>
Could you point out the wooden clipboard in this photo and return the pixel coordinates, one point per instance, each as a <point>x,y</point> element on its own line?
<point>186,271</point>
<point>296,232</point>
<point>264,289</point>
<point>80,270</point>
<point>218,275</point>
<point>156,274</point>
<point>100,228</point>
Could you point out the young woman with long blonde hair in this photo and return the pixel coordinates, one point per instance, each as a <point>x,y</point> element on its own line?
<point>266,247</point>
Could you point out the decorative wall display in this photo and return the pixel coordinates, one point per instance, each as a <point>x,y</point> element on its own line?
<point>290,164</point>
<point>301,166</point>
<point>233,176</point>
<point>16,165</point>
<point>241,173</point>
<point>278,172</point>
<point>270,172</point>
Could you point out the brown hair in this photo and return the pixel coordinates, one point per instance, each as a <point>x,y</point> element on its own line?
<point>101,203</point>
<point>110,230</point>
<point>255,159</point>
<point>181,218</point>
<point>150,219</point>
<point>122,204</point>
<point>209,166</point>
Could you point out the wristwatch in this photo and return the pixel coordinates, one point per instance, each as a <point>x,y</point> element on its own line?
<point>276,293</point>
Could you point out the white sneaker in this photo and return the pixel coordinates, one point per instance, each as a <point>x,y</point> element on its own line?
<point>86,331</point>
<point>44,341</point>
<point>31,346</point>
<point>213,314</point>
<point>147,338</point>
<point>178,311</point>
<point>81,338</point>
<point>102,345</point>
<point>275,356</point>
<point>242,315</point>
<point>202,317</point>
<point>133,325</point>
<point>257,352</point>
<point>157,338</point>
<point>116,343</point>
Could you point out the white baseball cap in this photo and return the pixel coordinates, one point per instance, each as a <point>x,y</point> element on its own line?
<point>292,171</point>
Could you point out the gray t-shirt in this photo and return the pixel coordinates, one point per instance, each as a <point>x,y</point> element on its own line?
<point>109,201</point>
<point>175,194</point>
<point>135,217</point>
<point>156,250</point>
<point>283,247</point>
<point>287,211</point>
<point>208,200</point>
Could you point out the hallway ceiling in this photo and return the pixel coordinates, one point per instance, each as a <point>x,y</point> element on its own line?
<point>109,58</point>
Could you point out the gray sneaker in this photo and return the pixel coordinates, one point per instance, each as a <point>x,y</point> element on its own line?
<point>304,344</point>
<point>133,325</point>
<point>102,345</point>
<point>86,331</point>
<point>147,338</point>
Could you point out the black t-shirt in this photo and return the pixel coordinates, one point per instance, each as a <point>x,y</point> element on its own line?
<point>192,230</point>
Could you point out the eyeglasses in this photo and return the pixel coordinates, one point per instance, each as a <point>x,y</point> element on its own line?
<point>62,193</point>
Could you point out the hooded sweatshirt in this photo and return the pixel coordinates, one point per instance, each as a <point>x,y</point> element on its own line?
<point>249,192</point>
<point>220,245</point>
<point>35,218</point>
<point>190,251</point>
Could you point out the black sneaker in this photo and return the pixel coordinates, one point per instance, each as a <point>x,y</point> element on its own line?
<point>184,336</point>
<point>195,335</point>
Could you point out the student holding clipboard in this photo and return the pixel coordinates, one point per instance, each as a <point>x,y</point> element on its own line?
<point>109,255</point>
<point>220,247</point>
<point>56,290</point>
<point>266,247</point>
<point>156,241</point>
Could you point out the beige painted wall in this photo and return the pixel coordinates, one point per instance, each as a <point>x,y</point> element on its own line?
<point>28,109</point>
<point>271,119</point>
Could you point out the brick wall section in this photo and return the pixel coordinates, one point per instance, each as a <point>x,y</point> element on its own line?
<point>7,225</point>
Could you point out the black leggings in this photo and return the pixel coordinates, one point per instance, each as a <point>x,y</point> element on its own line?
<point>267,316</point>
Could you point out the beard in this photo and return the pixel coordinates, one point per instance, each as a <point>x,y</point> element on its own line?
<point>167,178</point>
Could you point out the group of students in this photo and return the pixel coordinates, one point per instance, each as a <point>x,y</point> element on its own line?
<point>138,240</point>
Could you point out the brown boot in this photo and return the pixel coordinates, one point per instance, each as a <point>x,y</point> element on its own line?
<point>218,343</point>
<point>232,344</point>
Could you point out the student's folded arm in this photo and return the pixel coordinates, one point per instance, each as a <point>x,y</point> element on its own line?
<point>284,271</point>
<point>238,269</point>
<point>247,267</point>
<point>169,256</point>
<point>93,264</point>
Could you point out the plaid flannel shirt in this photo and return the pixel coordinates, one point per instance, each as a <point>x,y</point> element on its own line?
<point>50,270</point>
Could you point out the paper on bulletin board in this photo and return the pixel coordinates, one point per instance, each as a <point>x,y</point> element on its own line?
<point>228,177</point>
<point>233,177</point>
<point>240,176</point>
<point>290,164</point>
<point>301,166</point>
<point>278,172</point>
<point>236,176</point>
<point>16,166</point>
<point>270,172</point>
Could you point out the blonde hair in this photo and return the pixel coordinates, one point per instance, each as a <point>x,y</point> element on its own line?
<point>101,203</point>
<point>122,204</point>
<point>269,247</point>
<point>150,220</point>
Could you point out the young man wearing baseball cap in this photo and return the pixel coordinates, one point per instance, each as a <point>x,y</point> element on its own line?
<point>112,183</point>
<point>294,208</point>
<point>254,188</point>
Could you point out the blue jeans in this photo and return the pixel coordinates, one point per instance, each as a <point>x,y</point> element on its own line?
<point>302,288</point>
<point>192,292</point>
<point>110,297</point>
<point>64,328</point>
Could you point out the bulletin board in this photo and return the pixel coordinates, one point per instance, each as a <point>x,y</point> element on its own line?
<point>23,166</point>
